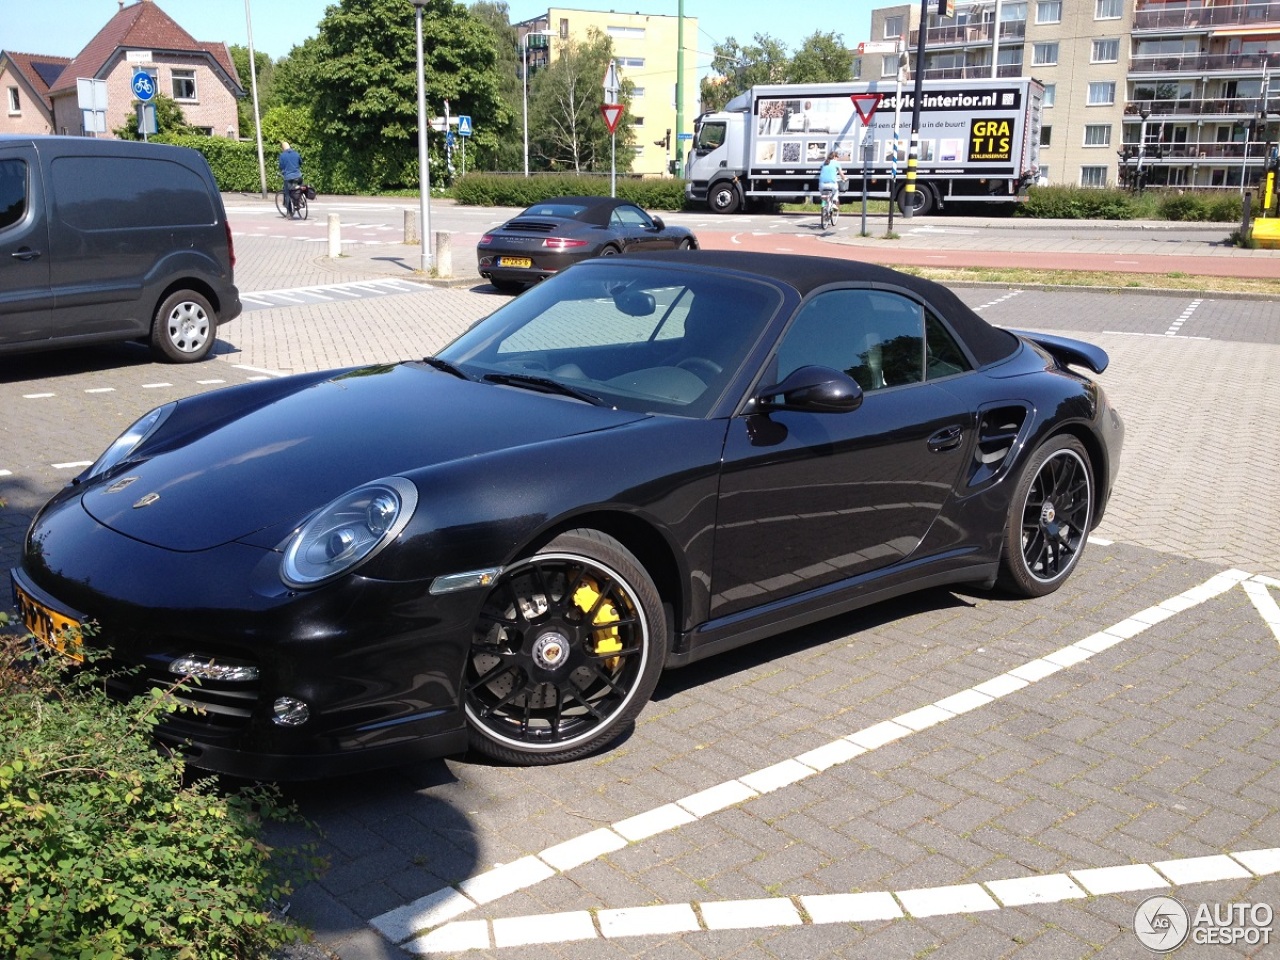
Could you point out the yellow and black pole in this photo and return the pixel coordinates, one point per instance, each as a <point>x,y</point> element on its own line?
<point>946,8</point>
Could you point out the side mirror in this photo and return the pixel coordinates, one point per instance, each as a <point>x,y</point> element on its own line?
<point>658,224</point>
<point>635,303</point>
<point>813,389</point>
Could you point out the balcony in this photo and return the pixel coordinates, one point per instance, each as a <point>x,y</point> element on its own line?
<point>971,72</point>
<point>1188,108</point>
<point>1012,31</point>
<point>1159,17</point>
<point>1199,63</point>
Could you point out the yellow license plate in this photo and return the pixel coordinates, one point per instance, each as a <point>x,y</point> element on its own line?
<point>514,262</point>
<point>48,626</point>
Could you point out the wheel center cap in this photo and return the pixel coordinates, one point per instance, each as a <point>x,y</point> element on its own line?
<point>1047,513</point>
<point>551,650</point>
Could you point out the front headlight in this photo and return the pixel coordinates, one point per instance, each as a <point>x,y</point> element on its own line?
<point>349,531</point>
<point>130,440</point>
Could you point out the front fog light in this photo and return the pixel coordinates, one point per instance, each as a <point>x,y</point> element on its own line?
<point>288,712</point>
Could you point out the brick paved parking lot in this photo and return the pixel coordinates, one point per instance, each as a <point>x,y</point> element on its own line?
<point>950,775</point>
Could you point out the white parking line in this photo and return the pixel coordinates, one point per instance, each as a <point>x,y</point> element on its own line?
<point>813,910</point>
<point>421,915</point>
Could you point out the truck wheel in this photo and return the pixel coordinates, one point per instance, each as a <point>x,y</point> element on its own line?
<point>724,198</point>
<point>923,200</point>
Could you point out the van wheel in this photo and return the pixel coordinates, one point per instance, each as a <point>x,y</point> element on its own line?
<point>184,328</point>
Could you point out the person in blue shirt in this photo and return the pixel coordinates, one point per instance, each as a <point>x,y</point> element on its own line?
<point>291,171</point>
<point>830,177</point>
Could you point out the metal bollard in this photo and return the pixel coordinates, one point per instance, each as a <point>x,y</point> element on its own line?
<point>444,253</point>
<point>411,232</point>
<point>335,236</point>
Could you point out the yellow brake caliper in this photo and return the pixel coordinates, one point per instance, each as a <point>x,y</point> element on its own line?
<point>607,639</point>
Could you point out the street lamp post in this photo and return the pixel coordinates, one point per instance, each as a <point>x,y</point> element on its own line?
<point>424,162</point>
<point>257,117</point>
<point>913,153</point>
<point>524,75</point>
<point>1139,181</point>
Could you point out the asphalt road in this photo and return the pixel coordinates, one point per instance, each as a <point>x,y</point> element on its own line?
<point>950,774</point>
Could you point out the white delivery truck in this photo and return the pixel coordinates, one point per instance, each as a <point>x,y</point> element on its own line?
<point>979,143</point>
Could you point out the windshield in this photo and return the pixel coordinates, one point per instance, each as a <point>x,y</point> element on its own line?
<point>640,337</point>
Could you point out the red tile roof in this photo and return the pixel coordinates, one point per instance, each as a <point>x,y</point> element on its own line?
<point>140,26</point>
<point>38,70</point>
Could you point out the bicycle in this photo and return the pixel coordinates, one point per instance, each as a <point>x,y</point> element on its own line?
<point>830,209</point>
<point>298,195</point>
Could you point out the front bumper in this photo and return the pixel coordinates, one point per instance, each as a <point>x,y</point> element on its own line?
<point>378,664</point>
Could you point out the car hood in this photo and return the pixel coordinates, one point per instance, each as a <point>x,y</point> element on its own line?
<point>279,461</point>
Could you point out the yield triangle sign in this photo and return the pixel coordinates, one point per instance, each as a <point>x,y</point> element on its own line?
<point>612,113</point>
<point>865,104</point>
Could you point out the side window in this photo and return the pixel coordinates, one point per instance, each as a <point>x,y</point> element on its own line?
<point>943,357</point>
<point>874,336</point>
<point>13,191</point>
<point>631,216</point>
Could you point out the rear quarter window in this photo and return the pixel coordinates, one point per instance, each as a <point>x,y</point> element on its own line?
<point>13,191</point>
<point>113,193</point>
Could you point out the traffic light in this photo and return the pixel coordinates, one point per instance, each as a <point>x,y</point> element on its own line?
<point>665,142</point>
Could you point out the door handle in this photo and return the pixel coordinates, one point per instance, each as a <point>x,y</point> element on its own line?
<point>945,439</point>
<point>25,254</point>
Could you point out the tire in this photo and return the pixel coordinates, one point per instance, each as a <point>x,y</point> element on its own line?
<point>685,244</point>
<point>923,200</point>
<point>279,198</point>
<point>300,207</point>
<point>1049,520</point>
<point>609,251</point>
<point>724,198</point>
<point>184,329</point>
<point>565,653</point>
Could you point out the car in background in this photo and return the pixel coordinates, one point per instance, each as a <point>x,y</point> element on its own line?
<point>640,463</point>
<point>549,236</point>
<point>110,240</point>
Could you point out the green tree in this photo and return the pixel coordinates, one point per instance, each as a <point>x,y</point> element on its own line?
<point>169,119</point>
<point>497,143</point>
<point>266,76</point>
<point>566,129</point>
<point>822,58</point>
<point>359,77</point>
<point>738,68</point>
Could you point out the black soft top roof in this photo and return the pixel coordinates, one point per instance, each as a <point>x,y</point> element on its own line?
<point>806,274</point>
<point>596,209</point>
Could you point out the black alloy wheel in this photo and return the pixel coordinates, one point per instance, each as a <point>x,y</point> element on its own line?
<point>566,652</point>
<point>1049,519</point>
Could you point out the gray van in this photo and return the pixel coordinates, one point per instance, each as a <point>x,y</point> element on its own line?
<point>105,240</point>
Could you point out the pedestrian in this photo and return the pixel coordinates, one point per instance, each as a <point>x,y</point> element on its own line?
<point>291,171</point>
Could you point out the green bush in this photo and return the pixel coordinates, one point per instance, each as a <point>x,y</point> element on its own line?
<point>1079,203</point>
<point>1213,207</point>
<point>487,189</point>
<point>105,850</point>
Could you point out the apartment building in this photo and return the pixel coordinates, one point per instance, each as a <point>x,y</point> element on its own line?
<point>645,50</point>
<point>1175,92</point>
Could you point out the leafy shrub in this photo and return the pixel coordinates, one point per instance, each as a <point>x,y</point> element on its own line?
<point>487,189</point>
<point>1214,207</point>
<point>1227,208</point>
<point>105,851</point>
<point>1078,203</point>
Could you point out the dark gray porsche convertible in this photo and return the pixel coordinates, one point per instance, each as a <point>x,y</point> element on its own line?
<point>639,463</point>
<point>557,233</point>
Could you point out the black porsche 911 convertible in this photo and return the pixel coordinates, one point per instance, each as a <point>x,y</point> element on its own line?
<point>557,233</point>
<point>639,463</point>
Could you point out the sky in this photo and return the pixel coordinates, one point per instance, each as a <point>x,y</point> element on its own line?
<point>63,27</point>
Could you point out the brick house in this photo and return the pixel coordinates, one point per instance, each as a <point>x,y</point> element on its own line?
<point>199,76</point>
<point>25,79</point>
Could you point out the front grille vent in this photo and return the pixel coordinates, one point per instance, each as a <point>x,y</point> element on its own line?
<point>530,226</point>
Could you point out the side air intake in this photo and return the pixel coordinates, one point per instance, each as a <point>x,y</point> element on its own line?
<point>998,431</point>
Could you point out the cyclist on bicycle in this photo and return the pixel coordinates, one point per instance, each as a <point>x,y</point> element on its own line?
<point>830,180</point>
<point>291,171</point>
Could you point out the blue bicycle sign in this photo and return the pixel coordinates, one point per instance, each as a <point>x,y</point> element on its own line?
<point>144,88</point>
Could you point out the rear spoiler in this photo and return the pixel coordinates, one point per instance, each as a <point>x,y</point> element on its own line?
<point>1069,351</point>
